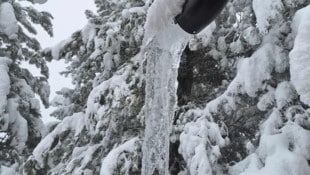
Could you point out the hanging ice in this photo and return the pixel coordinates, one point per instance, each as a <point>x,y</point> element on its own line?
<point>164,43</point>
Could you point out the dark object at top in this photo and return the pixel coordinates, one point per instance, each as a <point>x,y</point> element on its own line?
<point>197,14</point>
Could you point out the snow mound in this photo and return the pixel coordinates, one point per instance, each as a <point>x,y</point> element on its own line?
<point>253,71</point>
<point>300,55</point>
<point>283,149</point>
<point>200,145</point>
<point>4,170</point>
<point>265,12</point>
<point>285,94</point>
<point>109,163</point>
<point>8,22</point>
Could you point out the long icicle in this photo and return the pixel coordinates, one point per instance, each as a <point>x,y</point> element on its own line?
<point>163,53</point>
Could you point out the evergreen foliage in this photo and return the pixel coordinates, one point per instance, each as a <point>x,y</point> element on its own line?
<point>242,107</point>
<point>107,72</point>
<point>21,127</point>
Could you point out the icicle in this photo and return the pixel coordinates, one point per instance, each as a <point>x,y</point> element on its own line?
<point>164,43</point>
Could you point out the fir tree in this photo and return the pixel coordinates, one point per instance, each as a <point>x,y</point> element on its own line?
<point>243,108</point>
<point>21,127</point>
<point>101,124</point>
<point>254,112</point>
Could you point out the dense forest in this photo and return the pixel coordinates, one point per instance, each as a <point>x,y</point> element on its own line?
<point>234,98</point>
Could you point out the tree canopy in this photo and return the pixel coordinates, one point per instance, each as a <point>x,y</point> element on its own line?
<point>243,92</point>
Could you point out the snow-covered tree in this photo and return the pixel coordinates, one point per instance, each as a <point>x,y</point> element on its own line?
<point>243,104</point>
<point>21,128</point>
<point>96,51</point>
<point>260,112</point>
<point>284,134</point>
<point>101,116</point>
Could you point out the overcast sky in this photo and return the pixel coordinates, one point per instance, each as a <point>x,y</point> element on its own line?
<point>68,17</point>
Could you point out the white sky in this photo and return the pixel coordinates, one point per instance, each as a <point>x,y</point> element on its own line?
<point>68,17</point>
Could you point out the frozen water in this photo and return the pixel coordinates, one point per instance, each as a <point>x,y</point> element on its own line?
<point>163,46</point>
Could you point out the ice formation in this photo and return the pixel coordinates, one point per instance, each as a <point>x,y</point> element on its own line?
<point>164,43</point>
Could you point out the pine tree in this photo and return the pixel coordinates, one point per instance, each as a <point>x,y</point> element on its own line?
<point>253,117</point>
<point>21,127</point>
<point>242,103</point>
<point>101,124</point>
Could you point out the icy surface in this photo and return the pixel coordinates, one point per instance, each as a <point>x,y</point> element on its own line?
<point>160,16</point>
<point>163,46</point>
<point>300,55</point>
<point>8,22</point>
<point>4,83</point>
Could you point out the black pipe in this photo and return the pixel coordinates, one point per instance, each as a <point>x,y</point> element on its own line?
<point>197,14</point>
